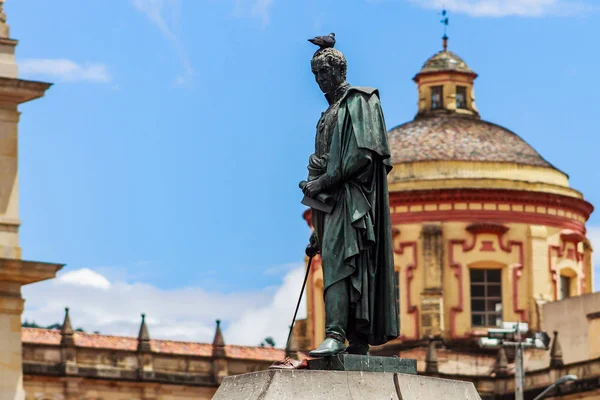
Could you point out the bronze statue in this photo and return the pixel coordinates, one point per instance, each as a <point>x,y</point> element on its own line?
<point>347,191</point>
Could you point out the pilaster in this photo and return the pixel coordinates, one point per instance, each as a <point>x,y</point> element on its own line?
<point>537,275</point>
<point>432,301</point>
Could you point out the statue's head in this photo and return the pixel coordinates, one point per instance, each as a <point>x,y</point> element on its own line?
<point>329,66</point>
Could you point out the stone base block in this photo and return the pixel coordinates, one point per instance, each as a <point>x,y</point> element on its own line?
<point>353,362</point>
<point>341,385</point>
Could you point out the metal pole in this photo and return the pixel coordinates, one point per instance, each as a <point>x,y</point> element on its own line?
<point>299,300</point>
<point>519,367</point>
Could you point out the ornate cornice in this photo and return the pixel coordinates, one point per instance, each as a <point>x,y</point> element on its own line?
<point>20,90</point>
<point>492,205</point>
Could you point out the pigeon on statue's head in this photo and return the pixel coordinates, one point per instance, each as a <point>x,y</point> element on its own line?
<point>324,42</point>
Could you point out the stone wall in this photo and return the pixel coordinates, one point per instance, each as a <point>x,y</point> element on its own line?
<point>577,321</point>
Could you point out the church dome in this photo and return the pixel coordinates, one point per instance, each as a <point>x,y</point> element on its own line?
<point>444,61</point>
<point>448,146</point>
<point>445,138</point>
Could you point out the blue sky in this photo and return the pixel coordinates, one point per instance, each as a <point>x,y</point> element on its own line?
<point>165,160</point>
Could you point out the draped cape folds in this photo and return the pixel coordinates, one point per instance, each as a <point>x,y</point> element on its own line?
<point>356,237</point>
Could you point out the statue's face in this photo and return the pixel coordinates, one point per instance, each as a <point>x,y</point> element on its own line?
<point>327,76</point>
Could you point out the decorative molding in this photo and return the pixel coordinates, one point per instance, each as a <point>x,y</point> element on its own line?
<point>517,270</point>
<point>566,237</point>
<point>457,269</point>
<point>487,245</point>
<point>482,228</point>
<point>410,308</point>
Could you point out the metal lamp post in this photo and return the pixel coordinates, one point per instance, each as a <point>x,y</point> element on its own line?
<point>513,330</point>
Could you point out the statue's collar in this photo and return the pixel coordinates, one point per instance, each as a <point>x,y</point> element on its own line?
<point>336,95</point>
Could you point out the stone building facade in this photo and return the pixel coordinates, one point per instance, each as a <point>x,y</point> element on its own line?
<point>68,365</point>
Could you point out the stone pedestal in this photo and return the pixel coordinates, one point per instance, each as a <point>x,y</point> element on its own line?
<point>366,363</point>
<point>341,385</point>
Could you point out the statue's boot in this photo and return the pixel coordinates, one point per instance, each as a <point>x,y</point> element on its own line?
<point>337,307</point>
<point>358,347</point>
<point>329,347</point>
<point>359,340</point>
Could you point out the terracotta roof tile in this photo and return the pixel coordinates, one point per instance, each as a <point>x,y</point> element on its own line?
<point>94,340</point>
<point>40,336</point>
<point>254,353</point>
<point>91,340</point>
<point>185,348</point>
<point>445,138</point>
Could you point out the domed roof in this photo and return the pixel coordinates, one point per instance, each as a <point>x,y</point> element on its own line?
<point>445,61</point>
<point>446,138</point>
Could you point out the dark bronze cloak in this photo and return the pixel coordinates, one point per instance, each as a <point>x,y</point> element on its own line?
<point>352,158</point>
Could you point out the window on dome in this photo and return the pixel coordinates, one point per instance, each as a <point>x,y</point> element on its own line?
<point>436,97</point>
<point>486,297</point>
<point>461,97</point>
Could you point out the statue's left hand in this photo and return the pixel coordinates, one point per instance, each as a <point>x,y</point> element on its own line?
<point>312,188</point>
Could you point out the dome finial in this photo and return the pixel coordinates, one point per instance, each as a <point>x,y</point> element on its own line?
<point>444,22</point>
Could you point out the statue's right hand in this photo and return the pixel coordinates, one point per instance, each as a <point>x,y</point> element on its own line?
<point>311,250</point>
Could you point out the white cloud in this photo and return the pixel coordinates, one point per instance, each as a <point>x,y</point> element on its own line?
<point>254,9</point>
<point>156,11</point>
<point>503,8</point>
<point>272,319</point>
<point>65,70</point>
<point>85,277</point>
<point>114,307</point>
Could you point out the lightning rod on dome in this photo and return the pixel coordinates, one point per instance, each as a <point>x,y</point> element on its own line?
<point>444,22</point>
